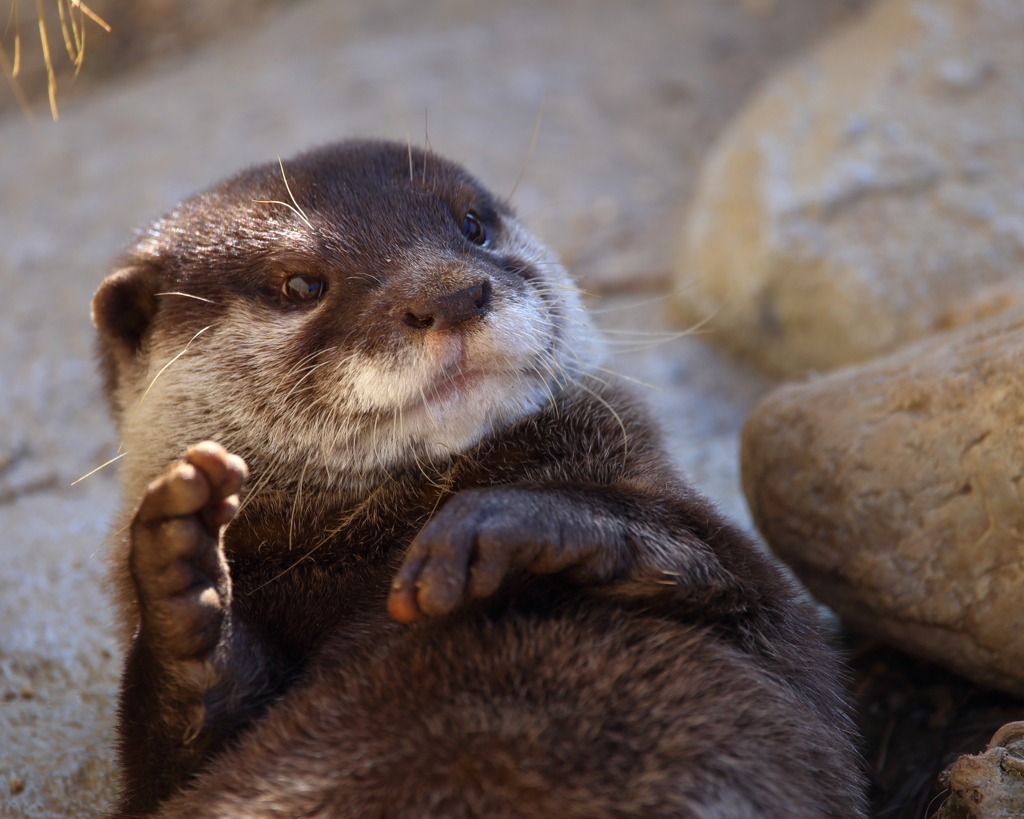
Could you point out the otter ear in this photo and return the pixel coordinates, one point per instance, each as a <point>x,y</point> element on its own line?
<point>124,306</point>
<point>122,310</point>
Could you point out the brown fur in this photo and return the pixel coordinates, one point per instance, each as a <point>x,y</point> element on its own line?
<point>641,658</point>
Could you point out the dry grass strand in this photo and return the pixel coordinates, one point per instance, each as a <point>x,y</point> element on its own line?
<point>72,14</point>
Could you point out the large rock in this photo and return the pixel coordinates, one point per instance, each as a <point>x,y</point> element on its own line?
<point>870,194</point>
<point>894,490</point>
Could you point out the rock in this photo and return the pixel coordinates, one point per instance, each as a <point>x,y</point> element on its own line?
<point>989,785</point>
<point>870,194</point>
<point>894,491</point>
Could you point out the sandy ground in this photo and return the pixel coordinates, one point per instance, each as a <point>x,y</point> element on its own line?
<point>633,93</point>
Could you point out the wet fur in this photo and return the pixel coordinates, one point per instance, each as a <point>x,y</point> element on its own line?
<point>664,669</point>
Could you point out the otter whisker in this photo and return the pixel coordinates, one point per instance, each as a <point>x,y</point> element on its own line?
<point>615,414</point>
<point>669,334</point>
<point>529,153</point>
<point>282,573</point>
<point>110,539</point>
<point>307,358</point>
<point>376,453</point>
<point>428,148</point>
<point>249,494</point>
<point>295,506</point>
<point>186,295</point>
<point>151,383</point>
<point>546,386</point>
<point>598,311</point>
<point>98,468</point>
<point>426,408</point>
<point>555,323</point>
<point>287,187</point>
<point>309,372</point>
<point>626,378</point>
<point>299,213</point>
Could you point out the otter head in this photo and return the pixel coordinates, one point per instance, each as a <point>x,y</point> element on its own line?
<point>362,307</point>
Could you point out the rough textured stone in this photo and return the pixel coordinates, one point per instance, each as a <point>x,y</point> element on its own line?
<point>871,193</point>
<point>988,785</point>
<point>894,490</point>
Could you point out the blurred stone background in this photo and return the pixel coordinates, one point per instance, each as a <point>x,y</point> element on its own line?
<point>179,94</point>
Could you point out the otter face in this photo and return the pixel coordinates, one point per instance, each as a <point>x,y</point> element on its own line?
<point>361,307</point>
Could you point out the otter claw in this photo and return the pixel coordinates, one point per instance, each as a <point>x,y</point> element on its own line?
<point>473,541</point>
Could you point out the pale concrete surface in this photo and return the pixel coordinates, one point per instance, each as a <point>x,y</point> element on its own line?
<point>634,93</point>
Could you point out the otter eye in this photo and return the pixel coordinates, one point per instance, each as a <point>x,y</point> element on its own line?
<point>473,230</point>
<point>304,289</point>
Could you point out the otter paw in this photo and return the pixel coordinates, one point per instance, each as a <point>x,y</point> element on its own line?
<point>176,559</point>
<point>472,542</point>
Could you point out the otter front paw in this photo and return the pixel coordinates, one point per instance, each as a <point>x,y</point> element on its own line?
<point>472,542</point>
<point>176,559</point>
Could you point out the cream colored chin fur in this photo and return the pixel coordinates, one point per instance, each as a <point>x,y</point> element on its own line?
<point>343,418</point>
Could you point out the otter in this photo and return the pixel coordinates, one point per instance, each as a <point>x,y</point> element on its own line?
<point>394,544</point>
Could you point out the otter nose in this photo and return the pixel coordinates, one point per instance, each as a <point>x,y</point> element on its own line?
<point>442,312</point>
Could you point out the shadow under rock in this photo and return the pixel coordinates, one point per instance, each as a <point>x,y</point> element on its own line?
<point>915,719</point>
